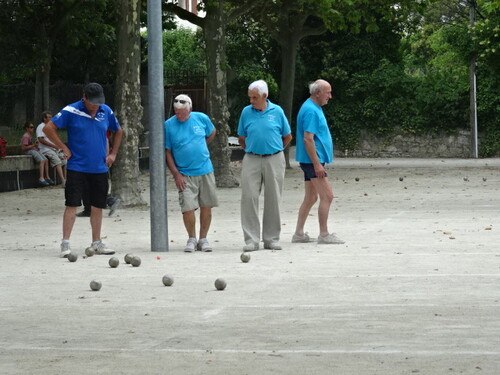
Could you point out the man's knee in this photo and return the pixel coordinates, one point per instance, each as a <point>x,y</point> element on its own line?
<point>311,199</point>
<point>327,196</point>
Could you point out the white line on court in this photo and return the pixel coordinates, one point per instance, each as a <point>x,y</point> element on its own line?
<point>211,313</point>
<point>257,351</point>
<point>493,275</point>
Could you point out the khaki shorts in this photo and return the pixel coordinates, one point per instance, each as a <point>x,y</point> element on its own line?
<point>55,157</point>
<point>200,191</point>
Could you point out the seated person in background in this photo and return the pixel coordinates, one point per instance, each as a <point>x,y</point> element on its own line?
<point>30,148</point>
<point>48,149</point>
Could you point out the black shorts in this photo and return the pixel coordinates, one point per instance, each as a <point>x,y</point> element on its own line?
<point>93,184</point>
<point>309,172</point>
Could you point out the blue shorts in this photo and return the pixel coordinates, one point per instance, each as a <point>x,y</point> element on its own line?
<point>79,183</point>
<point>308,169</point>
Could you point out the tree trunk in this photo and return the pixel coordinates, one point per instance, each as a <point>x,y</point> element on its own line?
<point>288,62</point>
<point>125,171</point>
<point>214,35</point>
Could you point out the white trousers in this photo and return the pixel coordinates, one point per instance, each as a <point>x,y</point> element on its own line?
<point>258,171</point>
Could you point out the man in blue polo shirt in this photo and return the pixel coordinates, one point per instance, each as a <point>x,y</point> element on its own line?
<point>263,132</point>
<point>86,122</point>
<point>314,149</point>
<point>187,135</point>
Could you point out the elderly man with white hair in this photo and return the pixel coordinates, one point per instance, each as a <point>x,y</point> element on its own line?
<point>187,135</point>
<point>263,132</point>
<point>314,150</point>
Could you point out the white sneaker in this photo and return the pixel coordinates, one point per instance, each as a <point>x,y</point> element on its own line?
<point>203,245</point>
<point>65,250</point>
<point>190,245</point>
<point>301,239</point>
<point>252,246</point>
<point>101,249</point>
<point>271,245</point>
<point>330,239</point>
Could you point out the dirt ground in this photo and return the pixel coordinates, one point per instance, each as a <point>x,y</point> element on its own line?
<point>414,290</point>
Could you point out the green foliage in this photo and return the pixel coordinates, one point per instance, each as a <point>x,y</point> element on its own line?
<point>487,35</point>
<point>417,82</point>
<point>251,56</point>
<point>488,112</point>
<point>74,39</point>
<point>182,52</point>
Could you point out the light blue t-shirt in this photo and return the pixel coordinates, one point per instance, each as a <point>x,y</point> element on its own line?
<point>263,130</point>
<point>312,119</point>
<point>86,136</point>
<point>187,141</point>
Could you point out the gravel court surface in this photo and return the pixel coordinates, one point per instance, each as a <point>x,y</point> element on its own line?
<point>413,290</point>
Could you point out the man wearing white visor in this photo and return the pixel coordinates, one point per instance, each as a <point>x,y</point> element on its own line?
<point>187,135</point>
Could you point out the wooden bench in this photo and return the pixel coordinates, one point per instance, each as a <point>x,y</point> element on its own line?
<point>17,170</point>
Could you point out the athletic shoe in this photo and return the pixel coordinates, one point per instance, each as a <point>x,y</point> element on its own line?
<point>203,245</point>
<point>101,249</point>
<point>43,183</point>
<point>271,245</point>
<point>190,245</point>
<point>84,213</point>
<point>65,250</point>
<point>114,206</point>
<point>330,239</point>
<point>301,239</point>
<point>252,246</point>
<point>49,181</point>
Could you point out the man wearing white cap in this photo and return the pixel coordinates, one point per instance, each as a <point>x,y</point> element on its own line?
<point>187,135</point>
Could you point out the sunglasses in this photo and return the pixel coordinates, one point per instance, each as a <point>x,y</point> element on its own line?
<point>180,101</point>
<point>31,127</point>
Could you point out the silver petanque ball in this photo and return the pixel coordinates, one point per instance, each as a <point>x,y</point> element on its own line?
<point>89,251</point>
<point>167,280</point>
<point>128,258</point>
<point>95,285</point>
<point>135,261</point>
<point>113,262</point>
<point>245,257</point>
<point>220,284</point>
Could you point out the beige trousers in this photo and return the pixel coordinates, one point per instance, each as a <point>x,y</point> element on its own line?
<point>258,172</point>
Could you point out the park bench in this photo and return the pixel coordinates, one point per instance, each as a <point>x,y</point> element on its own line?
<point>18,171</point>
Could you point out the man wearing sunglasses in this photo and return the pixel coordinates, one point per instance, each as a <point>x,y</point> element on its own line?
<point>187,135</point>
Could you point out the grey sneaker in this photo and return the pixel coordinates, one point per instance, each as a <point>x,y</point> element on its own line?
<point>65,250</point>
<point>114,206</point>
<point>330,239</point>
<point>101,249</point>
<point>301,239</point>
<point>203,245</point>
<point>252,246</point>
<point>271,245</point>
<point>190,245</point>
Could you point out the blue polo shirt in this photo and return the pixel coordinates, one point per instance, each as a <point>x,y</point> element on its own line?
<point>188,144</point>
<point>86,136</point>
<point>312,119</point>
<point>264,130</point>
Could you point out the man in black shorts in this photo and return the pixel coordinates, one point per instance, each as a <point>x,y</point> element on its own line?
<point>86,122</point>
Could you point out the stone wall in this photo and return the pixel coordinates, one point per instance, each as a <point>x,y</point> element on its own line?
<point>406,145</point>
